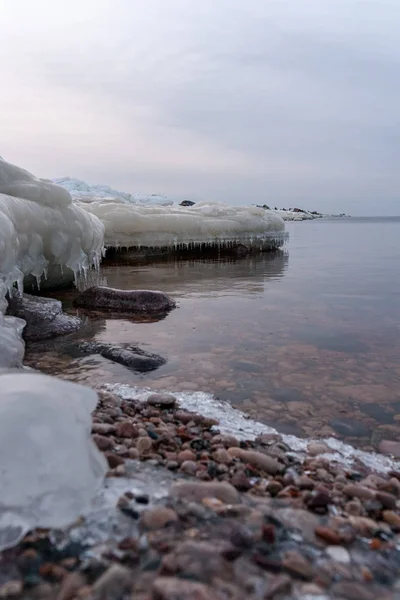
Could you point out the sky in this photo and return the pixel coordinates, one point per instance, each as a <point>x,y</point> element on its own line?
<point>291,103</point>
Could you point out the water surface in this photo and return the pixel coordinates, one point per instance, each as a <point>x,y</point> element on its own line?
<point>306,340</point>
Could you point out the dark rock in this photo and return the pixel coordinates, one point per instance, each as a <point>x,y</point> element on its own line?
<point>131,356</point>
<point>133,301</point>
<point>187,203</point>
<point>44,316</point>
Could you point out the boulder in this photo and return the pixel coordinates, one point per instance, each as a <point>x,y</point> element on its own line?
<point>133,301</point>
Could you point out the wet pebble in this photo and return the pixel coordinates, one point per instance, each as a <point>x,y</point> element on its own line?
<point>164,401</point>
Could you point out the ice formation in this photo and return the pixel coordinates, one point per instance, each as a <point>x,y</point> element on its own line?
<point>83,192</point>
<point>50,468</point>
<point>137,220</point>
<point>40,228</point>
<point>128,225</point>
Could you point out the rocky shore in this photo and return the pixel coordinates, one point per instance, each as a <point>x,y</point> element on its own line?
<point>237,519</point>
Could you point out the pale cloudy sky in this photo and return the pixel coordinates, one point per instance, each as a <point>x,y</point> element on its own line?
<point>288,102</point>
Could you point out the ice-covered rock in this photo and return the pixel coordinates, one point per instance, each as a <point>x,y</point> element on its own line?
<point>44,317</point>
<point>50,468</point>
<point>40,226</point>
<point>130,225</point>
<point>41,231</point>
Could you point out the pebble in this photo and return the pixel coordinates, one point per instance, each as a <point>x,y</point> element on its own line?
<point>102,442</point>
<point>297,565</point>
<point>279,585</point>
<point>352,590</point>
<point>126,429</point>
<point>240,481</point>
<point>164,401</point>
<point>144,445</point>
<point>103,428</point>
<point>358,491</point>
<point>338,554</point>
<point>393,518</point>
<point>257,459</point>
<point>70,585</point>
<point>387,500</point>
<point>133,453</point>
<point>328,534</point>
<point>186,455</point>
<point>316,448</point>
<point>113,460</point>
<point>188,467</point>
<point>114,583</point>
<point>196,491</point>
<point>228,441</point>
<point>11,589</point>
<point>363,525</point>
<point>157,518</point>
<point>172,588</point>
<point>222,456</point>
<point>390,447</point>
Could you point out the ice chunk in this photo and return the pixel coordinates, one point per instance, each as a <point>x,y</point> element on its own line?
<point>83,192</point>
<point>50,468</point>
<point>128,225</point>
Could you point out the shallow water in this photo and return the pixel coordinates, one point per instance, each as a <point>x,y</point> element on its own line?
<point>306,340</point>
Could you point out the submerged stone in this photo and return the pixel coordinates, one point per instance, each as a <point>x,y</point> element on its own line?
<point>130,356</point>
<point>135,301</point>
<point>50,468</point>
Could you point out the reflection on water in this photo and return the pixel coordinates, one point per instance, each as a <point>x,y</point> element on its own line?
<point>309,345</point>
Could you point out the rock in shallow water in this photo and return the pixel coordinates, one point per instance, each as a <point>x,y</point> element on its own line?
<point>131,356</point>
<point>50,468</point>
<point>44,316</point>
<point>135,301</point>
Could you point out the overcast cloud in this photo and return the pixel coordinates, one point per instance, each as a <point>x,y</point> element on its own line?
<point>289,103</point>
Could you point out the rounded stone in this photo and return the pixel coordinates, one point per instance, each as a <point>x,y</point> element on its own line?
<point>164,401</point>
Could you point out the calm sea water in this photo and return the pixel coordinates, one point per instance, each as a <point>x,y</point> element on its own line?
<point>306,340</point>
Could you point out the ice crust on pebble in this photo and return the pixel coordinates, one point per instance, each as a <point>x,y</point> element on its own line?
<point>237,423</point>
<point>49,466</point>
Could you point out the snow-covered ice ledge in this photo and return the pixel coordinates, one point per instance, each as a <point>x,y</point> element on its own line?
<point>155,222</point>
